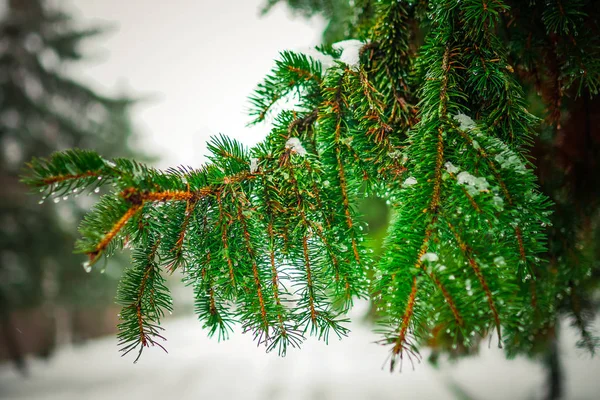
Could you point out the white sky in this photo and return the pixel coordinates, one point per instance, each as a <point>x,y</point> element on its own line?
<point>195,60</point>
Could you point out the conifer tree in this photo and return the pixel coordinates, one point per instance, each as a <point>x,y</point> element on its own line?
<point>42,110</point>
<point>553,48</point>
<point>423,107</point>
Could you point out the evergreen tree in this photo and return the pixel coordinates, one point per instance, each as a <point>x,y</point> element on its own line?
<point>553,48</point>
<point>43,110</point>
<point>424,108</point>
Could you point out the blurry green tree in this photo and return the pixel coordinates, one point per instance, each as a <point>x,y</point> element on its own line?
<point>43,110</point>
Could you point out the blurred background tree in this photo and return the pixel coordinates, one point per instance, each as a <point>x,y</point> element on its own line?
<point>43,289</point>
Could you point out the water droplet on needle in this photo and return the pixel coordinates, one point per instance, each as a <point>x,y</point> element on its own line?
<point>87,267</point>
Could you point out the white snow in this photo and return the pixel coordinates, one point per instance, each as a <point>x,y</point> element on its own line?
<point>253,165</point>
<point>465,178</point>
<point>410,181</point>
<point>197,367</point>
<point>465,121</point>
<point>429,257</point>
<point>481,184</point>
<point>474,184</point>
<point>295,145</point>
<point>350,51</point>
<point>512,162</point>
<point>498,203</point>
<point>326,60</point>
<point>451,168</point>
<point>499,261</point>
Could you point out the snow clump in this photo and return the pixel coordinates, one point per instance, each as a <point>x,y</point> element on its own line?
<point>465,121</point>
<point>295,146</point>
<point>511,162</point>
<point>451,168</point>
<point>410,181</point>
<point>350,52</point>
<point>473,183</point>
<point>430,257</point>
<point>253,165</point>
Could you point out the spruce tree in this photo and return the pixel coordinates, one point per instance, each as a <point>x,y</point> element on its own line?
<point>44,110</point>
<point>424,106</point>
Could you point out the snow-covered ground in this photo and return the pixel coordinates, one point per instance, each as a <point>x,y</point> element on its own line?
<point>200,368</point>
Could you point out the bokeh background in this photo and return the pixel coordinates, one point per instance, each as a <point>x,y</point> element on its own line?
<point>155,80</point>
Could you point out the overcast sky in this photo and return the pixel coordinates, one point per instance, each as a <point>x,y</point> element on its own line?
<point>196,60</point>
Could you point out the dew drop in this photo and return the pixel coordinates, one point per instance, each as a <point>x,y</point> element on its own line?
<point>41,202</point>
<point>65,197</point>
<point>56,200</point>
<point>97,190</point>
<point>87,267</point>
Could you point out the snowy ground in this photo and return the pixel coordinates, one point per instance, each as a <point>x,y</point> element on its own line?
<point>200,368</point>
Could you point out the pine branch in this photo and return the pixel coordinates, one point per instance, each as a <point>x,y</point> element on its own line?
<point>141,317</point>
<point>293,72</point>
<point>444,94</point>
<point>270,237</point>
